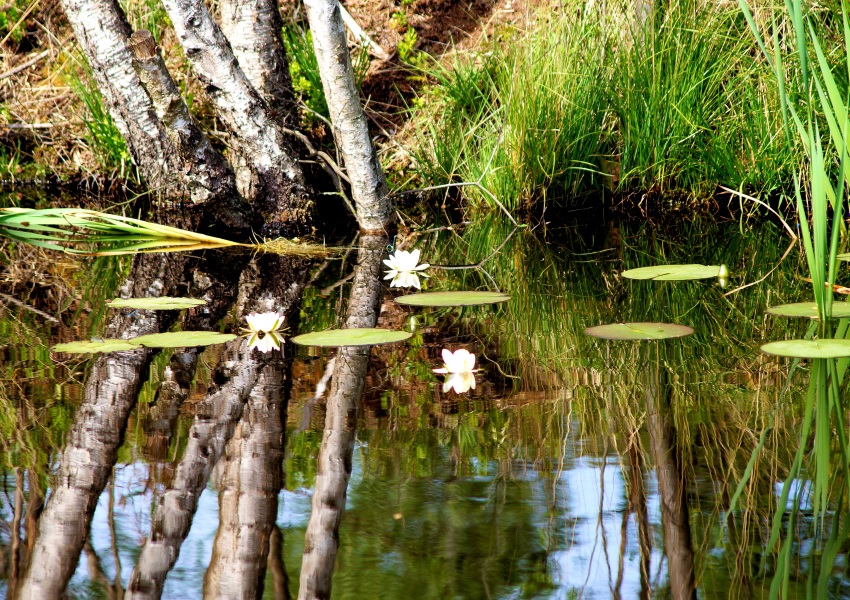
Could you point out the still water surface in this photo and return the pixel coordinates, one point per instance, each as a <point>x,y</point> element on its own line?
<point>575,468</point>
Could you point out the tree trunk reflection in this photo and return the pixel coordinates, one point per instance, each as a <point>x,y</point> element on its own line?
<point>250,481</point>
<point>671,485</point>
<point>97,432</point>
<point>335,455</point>
<point>271,283</point>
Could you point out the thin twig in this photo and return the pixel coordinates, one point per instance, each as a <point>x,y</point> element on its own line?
<point>339,283</point>
<point>790,231</point>
<point>361,35</point>
<point>25,65</point>
<point>480,263</point>
<point>27,125</point>
<point>330,167</point>
<point>313,152</point>
<point>315,114</point>
<point>21,20</point>
<point>463,184</point>
<point>17,302</point>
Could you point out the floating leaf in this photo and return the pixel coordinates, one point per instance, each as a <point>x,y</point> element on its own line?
<point>183,339</point>
<point>809,348</point>
<point>351,337</point>
<point>840,310</point>
<point>92,346</point>
<point>673,272</point>
<point>458,298</point>
<point>639,331</point>
<point>161,303</point>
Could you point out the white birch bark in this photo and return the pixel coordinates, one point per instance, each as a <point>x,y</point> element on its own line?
<point>102,32</point>
<point>351,131</point>
<point>251,477</point>
<point>240,107</point>
<point>254,28</point>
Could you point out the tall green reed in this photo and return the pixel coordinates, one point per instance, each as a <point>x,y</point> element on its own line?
<point>809,94</point>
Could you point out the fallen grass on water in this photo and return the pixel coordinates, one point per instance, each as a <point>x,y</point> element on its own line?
<point>65,229</point>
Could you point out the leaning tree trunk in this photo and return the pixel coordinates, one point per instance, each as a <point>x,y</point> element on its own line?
<point>207,174</point>
<point>244,112</point>
<point>335,454</point>
<point>254,28</point>
<point>351,131</point>
<point>103,32</point>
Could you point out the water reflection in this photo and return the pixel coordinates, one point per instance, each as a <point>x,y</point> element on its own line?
<point>582,476</point>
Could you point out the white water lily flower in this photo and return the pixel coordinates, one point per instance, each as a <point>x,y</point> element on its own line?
<point>460,366</point>
<point>264,329</point>
<point>404,270</point>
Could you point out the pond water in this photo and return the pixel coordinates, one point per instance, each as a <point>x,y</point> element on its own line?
<point>575,468</point>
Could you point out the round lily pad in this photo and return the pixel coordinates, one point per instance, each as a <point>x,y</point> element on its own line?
<point>809,348</point>
<point>639,331</point>
<point>840,310</point>
<point>183,339</point>
<point>673,272</point>
<point>162,303</point>
<point>93,346</point>
<point>454,298</point>
<point>366,336</point>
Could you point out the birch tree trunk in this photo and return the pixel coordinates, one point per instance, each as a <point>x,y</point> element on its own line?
<point>281,182</point>
<point>351,131</point>
<point>254,28</point>
<point>103,32</point>
<point>335,454</point>
<point>208,176</point>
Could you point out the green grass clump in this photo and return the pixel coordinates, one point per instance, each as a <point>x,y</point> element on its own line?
<point>524,119</point>
<point>692,108</point>
<point>591,99</point>
<point>103,137</point>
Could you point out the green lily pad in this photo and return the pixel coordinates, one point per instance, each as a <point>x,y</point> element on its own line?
<point>93,346</point>
<point>162,303</point>
<point>840,310</point>
<point>457,298</point>
<point>673,272</point>
<point>183,339</point>
<point>809,348</point>
<point>639,331</point>
<point>366,336</point>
